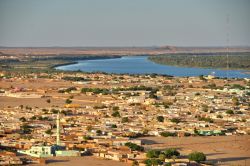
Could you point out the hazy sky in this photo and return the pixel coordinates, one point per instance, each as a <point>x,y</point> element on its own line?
<point>124,22</point>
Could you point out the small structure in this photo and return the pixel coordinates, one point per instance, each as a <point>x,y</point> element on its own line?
<point>49,151</point>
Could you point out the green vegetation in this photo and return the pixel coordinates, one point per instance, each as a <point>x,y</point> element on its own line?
<point>160,118</point>
<point>44,63</point>
<point>100,107</point>
<point>116,114</point>
<point>168,134</point>
<point>125,120</point>
<point>205,60</point>
<point>175,120</point>
<point>206,119</point>
<point>89,128</point>
<point>68,101</point>
<point>98,132</point>
<point>26,129</point>
<point>237,86</point>
<point>68,90</point>
<point>115,108</point>
<point>49,132</point>
<point>230,112</point>
<point>169,153</point>
<point>22,119</point>
<point>153,153</point>
<point>134,147</point>
<point>68,78</point>
<point>219,116</point>
<point>235,101</point>
<point>156,157</point>
<point>197,156</point>
<point>153,162</point>
<point>96,90</point>
<point>204,107</point>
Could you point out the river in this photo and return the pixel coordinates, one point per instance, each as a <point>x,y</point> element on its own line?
<point>141,65</point>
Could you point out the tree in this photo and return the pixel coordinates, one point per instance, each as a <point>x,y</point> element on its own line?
<point>125,120</point>
<point>33,118</point>
<point>196,131</point>
<point>230,112</point>
<point>49,132</point>
<point>219,116</point>
<point>68,101</point>
<point>201,77</point>
<point>153,153</point>
<point>54,111</point>
<point>48,101</point>
<point>235,101</point>
<point>89,128</point>
<point>26,129</point>
<point>99,132</point>
<point>116,114</point>
<point>160,118</point>
<point>134,147</point>
<point>162,157</point>
<point>197,156</point>
<point>152,162</point>
<point>204,107</point>
<point>168,134</point>
<point>115,108</point>
<point>171,152</point>
<point>22,119</point>
<point>87,138</point>
<point>175,120</point>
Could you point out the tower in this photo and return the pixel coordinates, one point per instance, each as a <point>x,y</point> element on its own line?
<point>58,129</point>
<point>228,40</point>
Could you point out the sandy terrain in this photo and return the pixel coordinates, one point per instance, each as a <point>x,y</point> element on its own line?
<point>83,161</point>
<point>225,150</point>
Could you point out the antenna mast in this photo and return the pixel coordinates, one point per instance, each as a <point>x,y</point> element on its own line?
<point>227,50</point>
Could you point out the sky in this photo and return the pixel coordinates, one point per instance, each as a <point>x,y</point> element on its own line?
<point>46,23</point>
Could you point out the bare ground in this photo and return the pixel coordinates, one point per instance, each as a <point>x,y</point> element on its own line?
<point>223,150</point>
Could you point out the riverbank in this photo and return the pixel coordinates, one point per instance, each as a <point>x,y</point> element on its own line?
<point>234,61</point>
<point>142,65</point>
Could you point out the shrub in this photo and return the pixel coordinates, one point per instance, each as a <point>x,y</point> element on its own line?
<point>153,153</point>
<point>68,101</point>
<point>150,162</point>
<point>116,114</point>
<point>175,120</point>
<point>230,112</point>
<point>171,152</point>
<point>168,134</point>
<point>125,120</point>
<point>197,156</point>
<point>134,147</point>
<point>160,118</point>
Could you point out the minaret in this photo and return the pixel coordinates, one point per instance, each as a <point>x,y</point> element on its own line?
<point>58,129</point>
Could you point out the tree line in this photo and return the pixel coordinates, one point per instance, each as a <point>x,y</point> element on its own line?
<point>235,60</point>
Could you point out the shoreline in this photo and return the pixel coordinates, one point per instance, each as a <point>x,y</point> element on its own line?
<point>76,61</point>
<point>148,59</point>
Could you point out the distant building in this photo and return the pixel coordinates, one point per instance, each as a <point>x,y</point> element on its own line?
<point>54,150</point>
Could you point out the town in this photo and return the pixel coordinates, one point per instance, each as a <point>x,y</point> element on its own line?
<point>122,117</point>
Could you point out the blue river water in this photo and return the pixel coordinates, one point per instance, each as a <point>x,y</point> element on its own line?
<point>141,65</point>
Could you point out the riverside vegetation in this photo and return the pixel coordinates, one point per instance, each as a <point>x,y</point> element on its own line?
<point>205,60</point>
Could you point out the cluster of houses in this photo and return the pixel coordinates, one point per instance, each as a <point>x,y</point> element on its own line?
<point>172,107</point>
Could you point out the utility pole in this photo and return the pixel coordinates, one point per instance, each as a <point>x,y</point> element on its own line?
<point>227,49</point>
